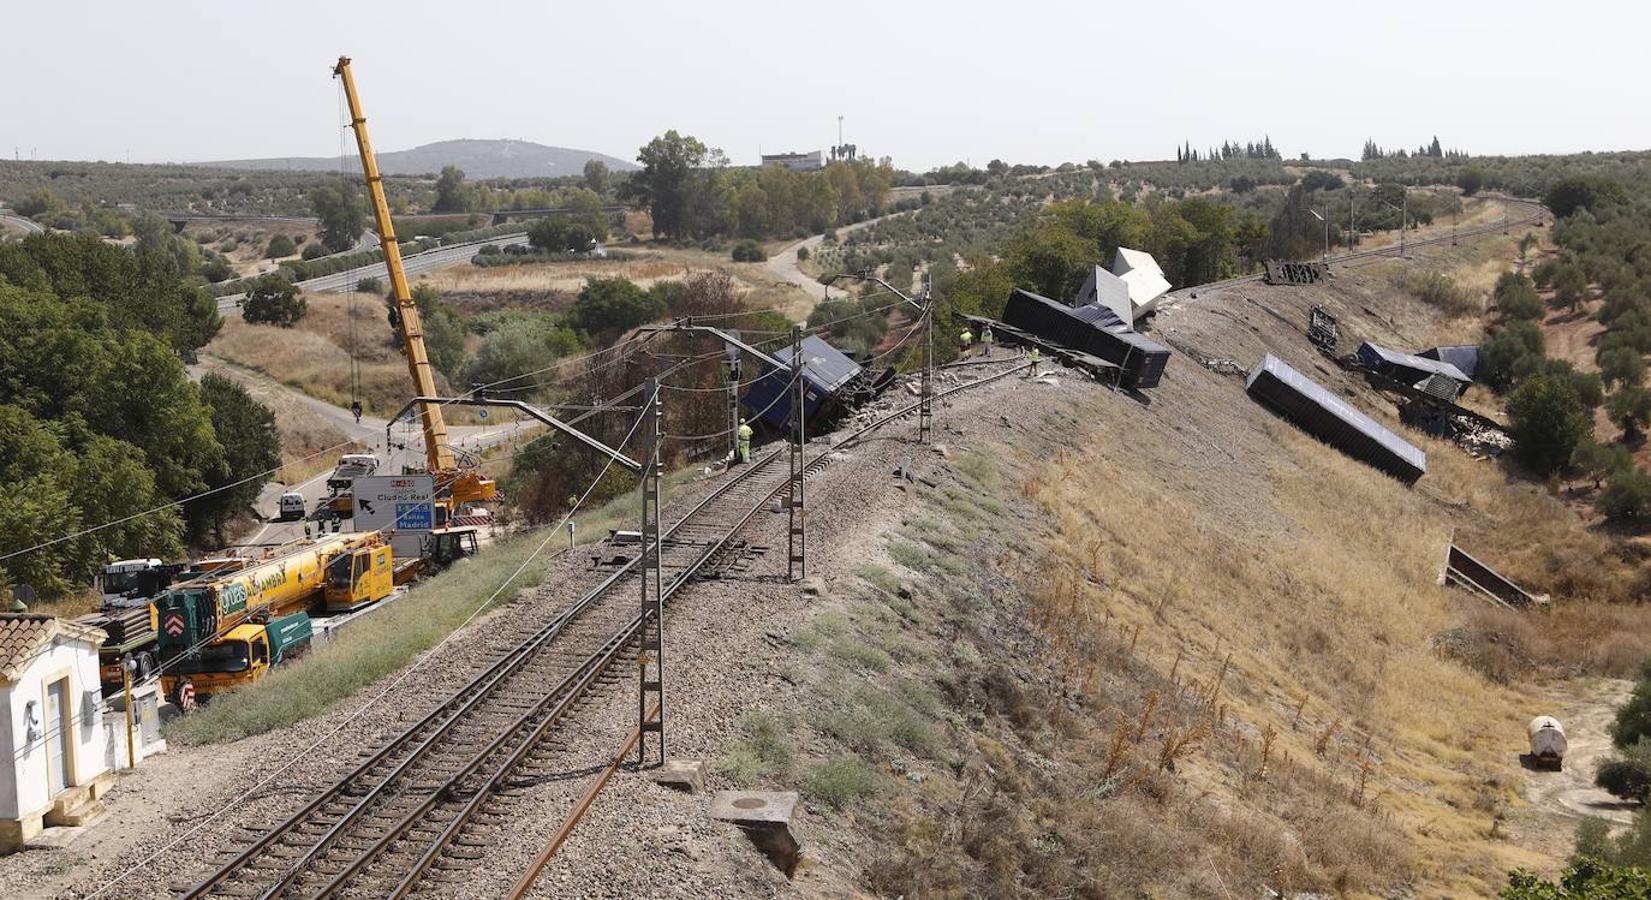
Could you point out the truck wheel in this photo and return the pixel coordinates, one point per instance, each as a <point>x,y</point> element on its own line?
<point>146,666</point>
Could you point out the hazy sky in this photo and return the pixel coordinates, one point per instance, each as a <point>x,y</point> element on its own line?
<point>924,82</point>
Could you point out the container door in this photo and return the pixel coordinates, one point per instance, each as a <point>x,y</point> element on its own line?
<point>57,737</point>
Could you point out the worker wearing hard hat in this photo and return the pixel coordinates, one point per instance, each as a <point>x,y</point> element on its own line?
<point>745,442</point>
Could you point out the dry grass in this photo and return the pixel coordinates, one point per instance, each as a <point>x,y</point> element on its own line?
<point>314,356</point>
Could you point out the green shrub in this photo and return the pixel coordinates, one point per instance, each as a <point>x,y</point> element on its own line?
<point>1548,421</point>
<point>274,301</point>
<point>280,246</point>
<point>313,251</point>
<point>1629,775</point>
<point>841,780</point>
<point>369,285</point>
<point>763,751</point>
<point>1628,495</point>
<point>749,251</point>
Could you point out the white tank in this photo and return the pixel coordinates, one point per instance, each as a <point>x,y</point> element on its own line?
<point>1547,738</point>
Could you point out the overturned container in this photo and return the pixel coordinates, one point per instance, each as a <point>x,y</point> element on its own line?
<point>1547,741</point>
<point>1327,417</point>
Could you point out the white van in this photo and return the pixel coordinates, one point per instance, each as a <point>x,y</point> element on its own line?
<point>292,506</point>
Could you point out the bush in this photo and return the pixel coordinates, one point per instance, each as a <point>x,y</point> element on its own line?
<point>841,780</point>
<point>314,251</point>
<point>280,246</point>
<point>1628,776</point>
<point>1585,879</point>
<point>559,235</point>
<point>1440,290</point>
<point>1630,408</point>
<point>612,305</point>
<point>1601,461</point>
<point>1627,496</point>
<point>275,301</point>
<point>1515,353</point>
<point>369,285</point>
<point>1471,181</point>
<point>1622,366</point>
<point>1547,420</point>
<point>802,254</point>
<point>1516,297</point>
<point>749,251</point>
<point>1568,195</point>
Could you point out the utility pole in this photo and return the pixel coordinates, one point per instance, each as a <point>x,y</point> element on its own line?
<point>651,631</point>
<point>925,400</point>
<point>733,403</point>
<point>796,540</point>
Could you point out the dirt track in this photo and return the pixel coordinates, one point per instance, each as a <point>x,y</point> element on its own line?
<point>1570,792</point>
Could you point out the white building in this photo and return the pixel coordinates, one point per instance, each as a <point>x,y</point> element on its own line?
<point>53,722</point>
<point>796,162</point>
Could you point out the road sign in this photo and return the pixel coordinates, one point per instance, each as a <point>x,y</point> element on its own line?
<point>174,624</point>
<point>401,505</point>
<point>481,414</point>
<point>186,696</point>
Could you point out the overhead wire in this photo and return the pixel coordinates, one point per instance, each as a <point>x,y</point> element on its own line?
<point>293,759</point>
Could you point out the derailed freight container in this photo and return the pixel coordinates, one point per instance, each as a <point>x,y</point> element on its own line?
<point>1327,417</point>
<point>1095,330</point>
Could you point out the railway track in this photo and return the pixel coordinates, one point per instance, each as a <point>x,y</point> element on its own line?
<point>419,809</point>
<point>1534,213</point>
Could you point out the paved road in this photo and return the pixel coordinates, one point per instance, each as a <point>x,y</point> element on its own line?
<point>783,265</point>
<point>369,432</point>
<point>27,226</point>
<point>413,264</point>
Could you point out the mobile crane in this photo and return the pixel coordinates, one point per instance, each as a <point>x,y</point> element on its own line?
<point>222,630</point>
<point>456,484</point>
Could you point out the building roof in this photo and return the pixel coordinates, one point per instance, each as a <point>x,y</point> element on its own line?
<point>24,636</point>
<point>1104,289</point>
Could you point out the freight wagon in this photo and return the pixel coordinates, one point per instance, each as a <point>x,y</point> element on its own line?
<point>1094,330</point>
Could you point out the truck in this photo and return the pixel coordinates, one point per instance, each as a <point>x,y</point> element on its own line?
<point>291,506</point>
<point>128,617</point>
<point>222,631</point>
<point>350,467</point>
<point>1548,744</point>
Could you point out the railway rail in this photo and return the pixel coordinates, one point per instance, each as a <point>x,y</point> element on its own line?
<point>419,809</point>
<point>1534,214</point>
<point>419,806</point>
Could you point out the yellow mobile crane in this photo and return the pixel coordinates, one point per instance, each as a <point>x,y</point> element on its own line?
<point>455,484</point>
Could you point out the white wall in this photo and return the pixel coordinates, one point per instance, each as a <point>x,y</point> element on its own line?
<point>23,786</point>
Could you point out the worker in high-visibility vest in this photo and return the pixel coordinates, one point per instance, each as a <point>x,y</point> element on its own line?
<point>986,341</point>
<point>745,442</point>
<point>1034,356</point>
<point>965,342</point>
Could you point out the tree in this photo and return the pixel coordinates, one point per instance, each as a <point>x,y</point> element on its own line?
<point>1633,720</point>
<point>1516,296</point>
<point>516,348</point>
<point>1586,878</point>
<point>1630,408</point>
<point>252,449</point>
<point>452,195</point>
<point>1471,180</point>
<point>280,246</point>
<point>749,251</point>
<point>343,216</point>
<point>556,234</point>
<point>608,306</point>
<point>369,285</point>
<point>1514,353</point>
<point>585,208</point>
<point>665,182</point>
<point>596,176</point>
<point>1568,195</point>
<point>1627,496</point>
<point>1547,422</point>
<point>444,333</point>
<point>1570,286</point>
<point>274,300</point>
<point>1622,366</point>
<point>1600,461</point>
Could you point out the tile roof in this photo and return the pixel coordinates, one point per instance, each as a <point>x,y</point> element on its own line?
<point>23,636</point>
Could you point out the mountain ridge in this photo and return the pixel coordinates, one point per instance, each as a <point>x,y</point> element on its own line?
<point>479,158</point>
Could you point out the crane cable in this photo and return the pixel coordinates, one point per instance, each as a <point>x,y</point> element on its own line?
<point>349,297</point>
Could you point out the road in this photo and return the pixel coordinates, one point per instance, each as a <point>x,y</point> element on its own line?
<point>783,265</point>
<point>27,226</point>
<point>413,264</point>
<point>369,432</point>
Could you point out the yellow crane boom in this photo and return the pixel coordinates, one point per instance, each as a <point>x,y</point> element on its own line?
<point>438,453</point>
<point>455,484</point>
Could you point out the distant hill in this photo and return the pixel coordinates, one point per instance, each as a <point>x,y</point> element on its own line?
<point>478,159</point>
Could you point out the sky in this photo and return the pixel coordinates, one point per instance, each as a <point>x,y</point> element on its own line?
<point>926,83</point>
